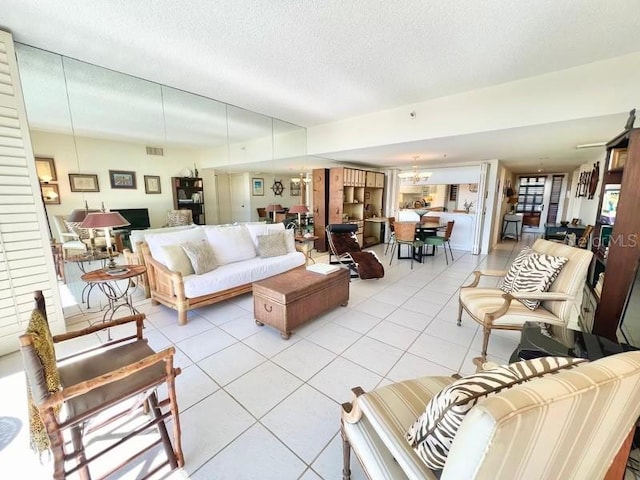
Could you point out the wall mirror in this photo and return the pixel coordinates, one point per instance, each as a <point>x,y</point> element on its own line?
<point>91,120</point>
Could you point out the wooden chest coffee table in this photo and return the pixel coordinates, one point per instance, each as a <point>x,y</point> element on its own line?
<point>290,299</point>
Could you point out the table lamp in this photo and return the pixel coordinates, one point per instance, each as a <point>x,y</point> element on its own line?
<point>105,220</point>
<point>78,215</point>
<point>299,209</point>
<point>274,207</point>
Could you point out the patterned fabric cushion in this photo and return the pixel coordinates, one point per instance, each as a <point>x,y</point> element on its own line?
<point>176,218</point>
<point>536,274</point>
<point>201,256</point>
<point>432,434</point>
<point>272,245</point>
<point>43,345</point>
<point>74,227</point>
<point>509,278</point>
<point>177,260</point>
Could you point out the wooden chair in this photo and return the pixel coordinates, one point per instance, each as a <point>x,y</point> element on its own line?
<point>96,387</point>
<point>437,240</point>
<point>405,233</point>
<point>392,236</point>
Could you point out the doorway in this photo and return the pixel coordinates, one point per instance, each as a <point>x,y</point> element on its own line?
<point>239,196</point>
<point>531,200</point>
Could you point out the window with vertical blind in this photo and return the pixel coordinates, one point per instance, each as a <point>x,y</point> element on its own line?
<point>530,194</point>
<point>554,199</point>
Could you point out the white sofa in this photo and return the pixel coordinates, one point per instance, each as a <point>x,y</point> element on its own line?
<point>235,248</point>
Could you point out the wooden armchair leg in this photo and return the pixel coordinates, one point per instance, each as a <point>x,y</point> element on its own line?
<point>459,322</point>
<point>485,342</point>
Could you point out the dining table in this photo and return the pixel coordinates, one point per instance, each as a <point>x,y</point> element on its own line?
<point>424,230</point>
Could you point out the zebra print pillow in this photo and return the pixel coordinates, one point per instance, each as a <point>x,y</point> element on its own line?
<point>509,278</point>
<point>537,273</point>
<point>432,433</point>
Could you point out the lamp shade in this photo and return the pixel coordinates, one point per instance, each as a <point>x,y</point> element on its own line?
<point>104,220</point>
<point>274,207</point>
<point>79,214</point>
<point>298,209</point>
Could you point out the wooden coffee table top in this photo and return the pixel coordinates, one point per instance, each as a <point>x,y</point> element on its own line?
<point>297,281</point>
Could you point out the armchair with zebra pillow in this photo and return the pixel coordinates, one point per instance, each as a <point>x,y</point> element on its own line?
<point>543,284</point>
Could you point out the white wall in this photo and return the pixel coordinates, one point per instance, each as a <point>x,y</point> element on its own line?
<point>581,207</point>
<point>558,96</point>
<point>98,156</point>
<point>466,195</point>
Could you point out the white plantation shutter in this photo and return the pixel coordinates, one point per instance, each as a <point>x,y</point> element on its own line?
<point>26,262</point>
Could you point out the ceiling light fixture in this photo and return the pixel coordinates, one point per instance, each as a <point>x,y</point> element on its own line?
<point>416,176</point>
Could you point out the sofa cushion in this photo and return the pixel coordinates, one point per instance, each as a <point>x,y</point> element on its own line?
<point>201,256</point>
<point>137,236</point>
<point>272,245</point>
<point>240,273</point>
<point>158,240</point>
<point>177,260</point>
<point>433,432</point>
<point>535,273</point>
<point>230,243</point>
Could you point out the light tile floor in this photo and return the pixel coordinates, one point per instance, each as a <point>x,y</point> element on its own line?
<point>254,406</point>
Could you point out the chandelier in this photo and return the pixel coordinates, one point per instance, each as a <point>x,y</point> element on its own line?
<point>415,176</point>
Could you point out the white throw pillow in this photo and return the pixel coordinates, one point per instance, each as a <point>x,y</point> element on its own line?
<point>177,260</point>
<point>231,244</point>
<point>290,234</point>
<point>158,240</point>
<point>272,245</point>
<point>201,255</point>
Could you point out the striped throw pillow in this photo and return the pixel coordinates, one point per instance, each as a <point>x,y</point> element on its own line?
<point>509,278</point>
<point>537,273</point>
<point>433,432</point>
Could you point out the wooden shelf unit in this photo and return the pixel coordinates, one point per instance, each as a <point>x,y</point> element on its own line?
<point>623,255</point>
<point>188,194</point>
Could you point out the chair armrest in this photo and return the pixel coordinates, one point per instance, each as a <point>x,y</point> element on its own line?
<point>559,296</point>
<point>484,273</point>
<point>74,236</point>
<point>71,391</point>
<point>138,318</point>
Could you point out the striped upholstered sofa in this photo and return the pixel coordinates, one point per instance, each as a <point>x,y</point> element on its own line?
<point>574,424</point>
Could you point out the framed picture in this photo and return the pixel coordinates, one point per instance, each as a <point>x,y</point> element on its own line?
<point>152,184</point>
<point>257,187</point>
<point>82,182</point>
<point>295,189</point>
<point>122,179</point>
<point>618,158</point>
<point>46,169</point>
<point>50,193</point>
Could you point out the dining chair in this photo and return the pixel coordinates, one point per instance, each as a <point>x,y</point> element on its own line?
<point>429,219</point>
<point>442,240</point>
<point>405,234</point>
<point>392,235</point>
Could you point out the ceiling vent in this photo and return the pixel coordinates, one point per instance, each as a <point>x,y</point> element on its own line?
<point>155,151</point>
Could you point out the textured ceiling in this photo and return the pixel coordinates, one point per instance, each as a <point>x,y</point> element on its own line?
<point>313,62</point>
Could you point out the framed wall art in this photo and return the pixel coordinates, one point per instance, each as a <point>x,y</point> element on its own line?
<point>152,184</point>
<point>82,182</point>
<point>294,189</point>
<point>257,187</point>
<point>122,179</point>
<point>50,193</point>
<point>46,169</point>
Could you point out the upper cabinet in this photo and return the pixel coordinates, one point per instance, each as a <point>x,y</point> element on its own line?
<point>617,228</point>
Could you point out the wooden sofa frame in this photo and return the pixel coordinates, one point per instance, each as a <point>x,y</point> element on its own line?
<point>167,287</point>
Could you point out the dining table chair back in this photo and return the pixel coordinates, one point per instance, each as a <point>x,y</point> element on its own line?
<point>442,240</point>
<point>392,235</point>
<point>405,234</point>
